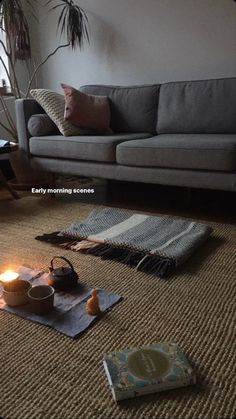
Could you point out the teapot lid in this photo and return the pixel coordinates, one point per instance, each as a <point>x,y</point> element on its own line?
<point>62,270</point>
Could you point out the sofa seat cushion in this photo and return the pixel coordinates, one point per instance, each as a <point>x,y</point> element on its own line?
<point>96,148</point>
<point>185,151</point>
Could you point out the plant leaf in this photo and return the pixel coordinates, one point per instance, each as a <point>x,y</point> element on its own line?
<point>72,22</point>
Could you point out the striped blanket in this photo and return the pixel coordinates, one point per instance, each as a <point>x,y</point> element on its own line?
<point>149,243</point>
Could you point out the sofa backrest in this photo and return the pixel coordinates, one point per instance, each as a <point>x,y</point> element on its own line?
<point>133,108</point>
<point>205,106</point>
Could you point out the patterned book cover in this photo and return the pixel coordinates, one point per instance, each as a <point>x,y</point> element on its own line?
<point>148,369</point>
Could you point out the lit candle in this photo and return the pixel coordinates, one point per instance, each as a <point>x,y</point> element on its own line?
<point>8,276</point>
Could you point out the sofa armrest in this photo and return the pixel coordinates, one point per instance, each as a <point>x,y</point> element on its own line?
<point>25,108</point>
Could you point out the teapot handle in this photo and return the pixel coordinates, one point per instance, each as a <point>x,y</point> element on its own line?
<point>61,257</point>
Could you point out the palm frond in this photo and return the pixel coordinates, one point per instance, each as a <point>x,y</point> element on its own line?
<point>72,22</point>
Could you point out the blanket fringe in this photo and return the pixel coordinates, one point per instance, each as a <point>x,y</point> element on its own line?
<point>54,238</point>
<point>142,261</point>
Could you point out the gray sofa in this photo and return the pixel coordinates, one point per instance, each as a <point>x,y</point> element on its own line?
<point>178,133</point>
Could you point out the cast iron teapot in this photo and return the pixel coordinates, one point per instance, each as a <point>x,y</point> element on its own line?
<point>63,278</point>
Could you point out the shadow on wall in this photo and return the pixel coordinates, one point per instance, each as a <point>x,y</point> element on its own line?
<point>109,45</point>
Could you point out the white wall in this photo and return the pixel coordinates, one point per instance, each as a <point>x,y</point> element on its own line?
<point>137,41</point>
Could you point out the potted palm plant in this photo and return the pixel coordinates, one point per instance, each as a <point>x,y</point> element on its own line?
<point>15,42</point>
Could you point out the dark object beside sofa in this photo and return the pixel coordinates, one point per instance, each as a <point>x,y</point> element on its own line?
<point>178,133</point>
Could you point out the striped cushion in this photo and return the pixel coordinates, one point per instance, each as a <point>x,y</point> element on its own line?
<point>54,105</point>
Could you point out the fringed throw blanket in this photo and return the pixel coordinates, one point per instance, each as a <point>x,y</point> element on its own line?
<point>151,244</point>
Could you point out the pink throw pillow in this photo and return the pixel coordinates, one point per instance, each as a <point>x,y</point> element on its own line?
<point>87,111</point>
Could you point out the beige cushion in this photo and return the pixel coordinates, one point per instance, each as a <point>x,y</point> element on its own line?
<point>54,105</point>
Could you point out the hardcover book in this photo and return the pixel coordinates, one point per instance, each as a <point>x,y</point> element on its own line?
<point>148,369</point>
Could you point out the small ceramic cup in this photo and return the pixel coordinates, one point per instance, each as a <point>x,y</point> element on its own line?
<point>41,298</point>
<point>15,293</point>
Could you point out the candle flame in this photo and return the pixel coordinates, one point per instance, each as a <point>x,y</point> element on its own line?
<point>8,276</point>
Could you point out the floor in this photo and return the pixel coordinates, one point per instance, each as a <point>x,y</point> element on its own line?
<point>195,308</point>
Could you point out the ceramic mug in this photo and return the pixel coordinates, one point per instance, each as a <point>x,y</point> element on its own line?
<point>15,293</point>
<point>41,298</point>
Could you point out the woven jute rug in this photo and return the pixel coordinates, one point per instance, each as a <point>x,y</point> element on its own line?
<point>47,375</point>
